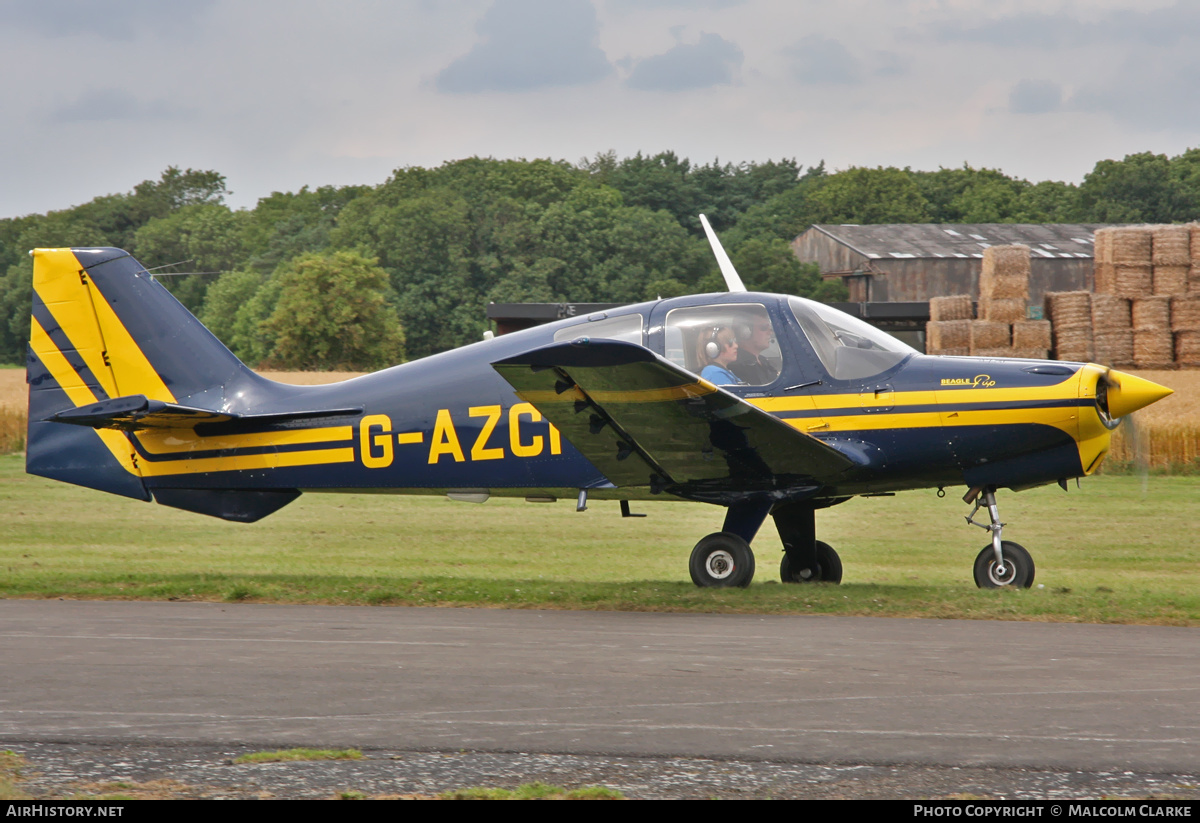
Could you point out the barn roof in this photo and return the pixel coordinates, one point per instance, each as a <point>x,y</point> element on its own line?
<point>962,240</point>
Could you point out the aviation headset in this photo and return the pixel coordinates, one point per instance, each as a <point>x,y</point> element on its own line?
<point>713,347</point>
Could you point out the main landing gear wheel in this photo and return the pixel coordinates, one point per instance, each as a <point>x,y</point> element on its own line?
<point>1018,567</point>
<point>829,567</point>
<point>722,559</point>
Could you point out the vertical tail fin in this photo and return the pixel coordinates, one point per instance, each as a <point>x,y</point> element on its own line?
<point>102,328</point>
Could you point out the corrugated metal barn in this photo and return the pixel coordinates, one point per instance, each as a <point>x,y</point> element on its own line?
<point>917,261</point>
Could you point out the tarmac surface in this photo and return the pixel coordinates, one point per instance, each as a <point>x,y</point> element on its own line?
<point>657,705</point>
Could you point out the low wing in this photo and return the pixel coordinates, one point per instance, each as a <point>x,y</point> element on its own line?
<point>643,421</point>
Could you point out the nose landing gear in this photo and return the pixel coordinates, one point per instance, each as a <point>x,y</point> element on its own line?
<point>1002,562</point>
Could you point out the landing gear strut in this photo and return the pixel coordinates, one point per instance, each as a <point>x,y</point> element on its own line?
<point>805,559</point>
<point>1002,562</point>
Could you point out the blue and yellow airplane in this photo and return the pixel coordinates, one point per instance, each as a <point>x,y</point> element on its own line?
<point>767,405</point>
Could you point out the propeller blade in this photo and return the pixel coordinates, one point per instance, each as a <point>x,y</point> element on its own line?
<point>732,280</point>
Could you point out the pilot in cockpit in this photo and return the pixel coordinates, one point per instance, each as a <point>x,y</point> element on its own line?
<point>754,338</point>
<point>719,349</point>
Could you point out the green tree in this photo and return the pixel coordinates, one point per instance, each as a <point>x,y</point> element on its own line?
<point>205,238</point>
<point>1138,189</point>
<point>862,195</point>
<point>287,224</point>
<point>332,313</point>
<point>225,298</point>
<point>610,252</point>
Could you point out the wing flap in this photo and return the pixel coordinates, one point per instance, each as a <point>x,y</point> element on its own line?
<point>643,421</point>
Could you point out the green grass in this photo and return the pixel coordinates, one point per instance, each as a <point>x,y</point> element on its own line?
<point>1114,551</point>
<point>291,755</point>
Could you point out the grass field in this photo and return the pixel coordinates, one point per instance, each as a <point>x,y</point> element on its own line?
<point>1111,552</point>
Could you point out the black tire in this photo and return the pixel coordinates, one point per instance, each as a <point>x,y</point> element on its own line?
<point>1019,569</point>
<point>829,567</point>
<point>722,560</point>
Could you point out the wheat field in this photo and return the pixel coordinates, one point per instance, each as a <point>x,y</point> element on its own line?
<point>1169,430</point>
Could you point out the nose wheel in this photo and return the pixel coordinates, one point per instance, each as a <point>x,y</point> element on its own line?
<point>1002,562</point>
<point>1017,569</point>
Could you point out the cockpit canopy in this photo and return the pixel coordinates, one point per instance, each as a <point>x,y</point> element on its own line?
<point>848,348</point>
<point>737,343</point>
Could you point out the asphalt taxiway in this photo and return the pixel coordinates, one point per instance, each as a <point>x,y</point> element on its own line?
<point>803,689</point>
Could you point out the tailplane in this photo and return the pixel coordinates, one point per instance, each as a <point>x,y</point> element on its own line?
<point>112,352</point>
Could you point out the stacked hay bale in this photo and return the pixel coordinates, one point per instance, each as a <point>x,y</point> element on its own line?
<point>1194,270</point>
<point>1002,329</point>
<point>1153,343</point>
<point>1112,330</point>
<point>1185,325</point>
<point>1171,257</point>
<point>1070,317</point>
<point>1141,272</point>
<point>949,327</point>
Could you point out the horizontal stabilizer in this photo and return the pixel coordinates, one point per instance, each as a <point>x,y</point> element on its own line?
<point>643,421</point>
<point>137,412</point>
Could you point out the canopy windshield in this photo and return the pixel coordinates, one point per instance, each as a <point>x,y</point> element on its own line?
<point>848,348</point>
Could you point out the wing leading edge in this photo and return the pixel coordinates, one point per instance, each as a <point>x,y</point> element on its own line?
<point>643,421</point>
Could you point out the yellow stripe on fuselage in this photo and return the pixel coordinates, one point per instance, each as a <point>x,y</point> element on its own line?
<point>184,440</point>
<point>270,460</point>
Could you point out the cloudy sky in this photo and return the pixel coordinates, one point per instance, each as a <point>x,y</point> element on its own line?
<point>275,94</point>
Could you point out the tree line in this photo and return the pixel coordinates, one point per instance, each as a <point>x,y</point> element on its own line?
<point>361,277</point>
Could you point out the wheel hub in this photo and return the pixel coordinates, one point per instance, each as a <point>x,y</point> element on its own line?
<point>1001,575</point>
<point>720,564</point>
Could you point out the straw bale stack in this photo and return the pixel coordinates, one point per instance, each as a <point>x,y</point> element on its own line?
<point>1003,351</point>
<point>1075,345</point>
<point>1132,281</point>
<point>952,307</point>
<point>1030,354</point>
<point>1069,309</point>
<point>1102,245</point>
<point>1194,241</point>
<point>1131,246</point>
<point>1002,309</point>
<point>1170,279</point>
<point>1110,313</point>
<point>1070,314</point>
<point>1153,349</point>
<point>1187,349</point>
<point>942,336</point>
<point>1171,245</point>
<point>1031,334</point>
<point>1114,347</point>
<point>1185,313</point>
<point>1151,313</point>
<point>1005,272</point>
<point>988,335</point>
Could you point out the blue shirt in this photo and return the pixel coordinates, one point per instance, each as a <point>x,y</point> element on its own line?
<point>718,376</point>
